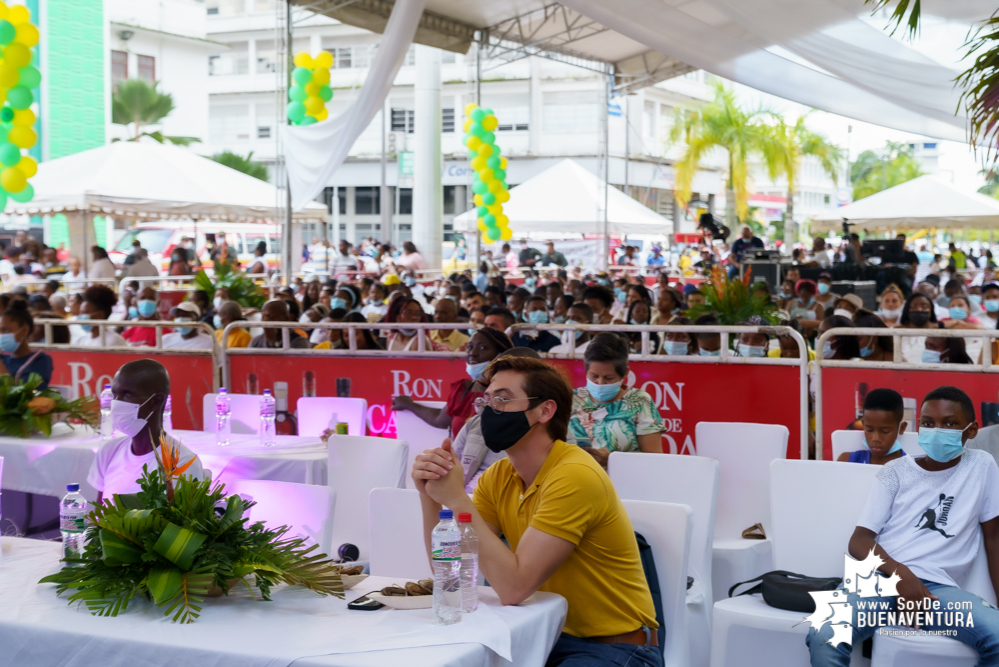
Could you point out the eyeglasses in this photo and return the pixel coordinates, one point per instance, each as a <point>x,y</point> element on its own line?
<point>497,403</point>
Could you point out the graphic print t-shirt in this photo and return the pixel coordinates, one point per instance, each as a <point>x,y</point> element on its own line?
<point>930,521</point>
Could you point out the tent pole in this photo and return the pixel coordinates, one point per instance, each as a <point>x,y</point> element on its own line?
<point>286,251</point>
<point>608,82</point>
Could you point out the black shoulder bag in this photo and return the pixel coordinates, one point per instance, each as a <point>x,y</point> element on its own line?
<point>787,590</point>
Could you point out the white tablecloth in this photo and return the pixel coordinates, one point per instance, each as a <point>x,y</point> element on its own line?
<point>39,628</point>
<point>46,465</point>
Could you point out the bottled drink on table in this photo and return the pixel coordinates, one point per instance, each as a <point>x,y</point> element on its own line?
<point>107,428</point>
<point>469,564</point>
<point>446,551</point>
<point>268,412</point>
<point>222,412</point>
<point>72,509</point>
<point>168,414</point>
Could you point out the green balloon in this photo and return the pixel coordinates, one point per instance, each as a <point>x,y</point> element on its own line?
<point>488,138</point>
<point>7,32</point>
<point>24,195</point>
<point>489,199</point>
<point>297,93</point>
<point>296,112</point>
<point>301,75</point>
<point>500,174</point>
<point>308,120</point>
<point>482,211</point>
<point>493,163</point>
<point>6,115</point>
<point>29,77</point>
<point>487,112</point>
<point>477,114</point>
<point>476,130</point>
<point>3,199</point>
<point>3,134</point>
<point>496,150</point>
<point>10,154</point>
<point>326,93</point>
<point>19,97</point>
<point>494,233</point>
<point>489,219</point>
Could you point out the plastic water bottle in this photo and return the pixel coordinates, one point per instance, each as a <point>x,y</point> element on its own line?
<point>268,412</point>
<point>107,428</point>
<point>446,551</point>
<point>168,414</point>
<point>469,564</point>
<point>72,509</point>
<point>222,413</point>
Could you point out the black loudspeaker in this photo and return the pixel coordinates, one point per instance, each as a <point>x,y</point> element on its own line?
<point>865,289</point>
<point>767,270</point>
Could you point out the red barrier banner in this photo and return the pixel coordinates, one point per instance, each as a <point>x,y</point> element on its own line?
<point>86,373</point>
<point>844,389</point>
<point>684,393</point>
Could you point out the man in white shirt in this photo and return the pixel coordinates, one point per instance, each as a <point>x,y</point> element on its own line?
<point>103,267</point>
<point>578,313</point>
<point>343,260</point>
<point>191,337</point>
<point>74,276</point>
<point>926,519</point>
<point>820,255</point>
<point>140,390</point>
<point>142,267</point>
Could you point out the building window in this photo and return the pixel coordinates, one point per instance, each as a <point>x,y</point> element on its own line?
<point>405,201</point>
<point>447,120</point>
<point>571,112</point>
<point>229,123</point>
<point>449,200</point>
<point>448,58</point>
<point>411,55</point>
<point>512,111</point>
<point>147,68</point>
<point>361,55</point>
<point>266,57</point>
<point>341,197</point>
<point>119,66</point>
<point>235,61</point>
<point>402,120</point>
<point>366,201</point>
<point>825,199</point>
<point>343,57</point>
<point>263,132</point>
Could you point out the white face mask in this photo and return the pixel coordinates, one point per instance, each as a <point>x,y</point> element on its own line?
<point>891,314</point>
<point>304,319</point>
<point>125,417</point>
<point>319,336</point>
<point>218,302</point>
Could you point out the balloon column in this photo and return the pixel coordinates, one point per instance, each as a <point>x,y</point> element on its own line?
<point>310,89</point>
<point>490,188</point>
<point>17,78</point>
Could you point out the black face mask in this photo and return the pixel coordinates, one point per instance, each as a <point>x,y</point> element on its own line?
<point>919,318</point>
<point>502,430</point>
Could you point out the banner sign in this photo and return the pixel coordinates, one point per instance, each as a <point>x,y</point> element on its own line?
<point>844,390</point>
<point>86,373</point>
<point>685,394</point>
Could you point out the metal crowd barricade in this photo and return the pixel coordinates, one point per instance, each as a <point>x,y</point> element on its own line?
<point>898,364</point>
<point>103,325</point>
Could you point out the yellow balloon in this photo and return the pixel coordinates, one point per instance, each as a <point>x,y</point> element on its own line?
<point>28,166</point>
<point>25,117</point>
<point>16,55</point>
<point>506,234</point>
<point>502,220</point>
<point>18,14</point>
<point>303,59</point>
<point>485,150</point>
<point>321,76</point>
<point>496,186</point>
<point>12,179</point>
<point>468,125</point>
<point>482,226</point>
<point>503,197</point>
<point>26,34</point>
<point>486,175</point>
<point>477,200</point>
<point>323,59</point>
<point>8,76</point>
<point>495,209</point>
<point>503,163</point>
<point>312,88</point>
<point>490,123</point>
<point>322,115</point>
<point>22,137</point>
<point>474,143</point>
<point>3,10</point>
<point>470,107</point>
<point>313,105</point>
<point>478,163</point>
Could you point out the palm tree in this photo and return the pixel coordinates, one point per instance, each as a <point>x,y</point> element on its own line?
<point>722,123</point>
<point>247,164</point>
<point>875,171</point>
<point>797,142</point>
<point>138,103</point>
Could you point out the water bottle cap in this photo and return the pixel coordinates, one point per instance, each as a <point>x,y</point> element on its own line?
<point>107,386</point>
<point>267,392</point>
<point>72,488</point>
<point>446,514</point>
<point>221,390</point>
<point>464,517</point>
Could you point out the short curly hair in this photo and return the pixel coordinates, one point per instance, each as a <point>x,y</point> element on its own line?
<point>102,298</point>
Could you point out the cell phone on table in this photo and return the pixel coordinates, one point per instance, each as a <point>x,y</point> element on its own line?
<point>364,603</point>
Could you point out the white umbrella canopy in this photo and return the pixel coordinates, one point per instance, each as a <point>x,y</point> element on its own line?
<point>153,180</point>
<point>924,202</point>
<point>569,198</point>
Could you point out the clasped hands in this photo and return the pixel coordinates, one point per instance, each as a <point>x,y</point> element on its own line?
<point>438,474</point>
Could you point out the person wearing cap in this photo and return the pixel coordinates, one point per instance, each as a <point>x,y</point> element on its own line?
<point>655,257</point>
<point>188,336</point>
<point>825,295</point>
<point>848,305</point>
<point>693,295</point>
<point>527,256</point>
<point>803,308</point>
<point>552,256</point>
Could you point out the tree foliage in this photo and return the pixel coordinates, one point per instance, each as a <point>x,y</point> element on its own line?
<point>247,164</point>
<point>875,171</point>
<point>137,103</point>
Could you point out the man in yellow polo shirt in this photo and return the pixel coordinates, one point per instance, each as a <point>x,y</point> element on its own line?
<point>228,313</point>
<point>568,531</point>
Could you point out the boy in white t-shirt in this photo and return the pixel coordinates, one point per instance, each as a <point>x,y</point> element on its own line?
<point>927,518</point>
<point>140,391</point>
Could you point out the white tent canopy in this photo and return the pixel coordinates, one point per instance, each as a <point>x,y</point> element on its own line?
<point>151,180</point>
<point>924,202</point>
<point>567,198</point>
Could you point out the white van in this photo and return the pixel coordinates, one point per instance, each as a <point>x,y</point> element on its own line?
<point>160,238</point>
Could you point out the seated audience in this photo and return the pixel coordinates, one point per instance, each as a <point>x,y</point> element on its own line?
<point>882,419</point>
<point>708,344</point>
<point>945,351</point>
<point>579,313</point>
<point>227,313</point>
<point>873,348</point>
<point>446,312</point>
<point>277,310</point>
<point>535,312</point>
<point>679,343</point>
<point>843,348</point>
<point>600,300</point>
<point>411,312</point>
<point>16,325</point>
<point>146,309</point>
<point>187,337</point>
<point>98,301</point>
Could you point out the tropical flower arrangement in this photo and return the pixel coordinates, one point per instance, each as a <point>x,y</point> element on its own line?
<point>734,300</point>
<point>25,409</point>
<point>242,290</point>
<point>180,540</point>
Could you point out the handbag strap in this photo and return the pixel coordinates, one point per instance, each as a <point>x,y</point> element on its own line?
<point>758,588</point>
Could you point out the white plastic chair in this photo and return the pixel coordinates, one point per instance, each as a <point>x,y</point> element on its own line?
<point>306,509</point>
<point>419,434</point>
<point>687,480</point>
<point>244,413</point>
<point>667,528</point>
<point>923,651</point>
<point>852,441</point>
<point>357,464</point>
<point>814,507</point>
<point>395,521</point>
<point>318,413</point>
<point>744,452</point>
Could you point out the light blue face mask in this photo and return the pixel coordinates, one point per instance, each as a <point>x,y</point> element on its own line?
<point>827,350</point>
<point>85,327</point>
<point>676,347</point>
<point>975,299</point>
<point>408,333</point>
<point>991,305</point>
<point>752,350</point>
<point>8,343</point>
<point>558,319</point>
<point>133,312</point>
<point>602,392</point>
<point>475,370</point>
<point>184,331</point>
<point>931,356</point>
<point>577,331</point>
<point>530,283</point>
<point>958,313</point>
<point>710,353</point>
<point>866,352</point>
<point>823,288</point>
<point>538,317</point>
<point>337,302</point>
<point>217,321</point>
<point>147,308</point>
<point>942,444</point>
<point>409,282</point>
